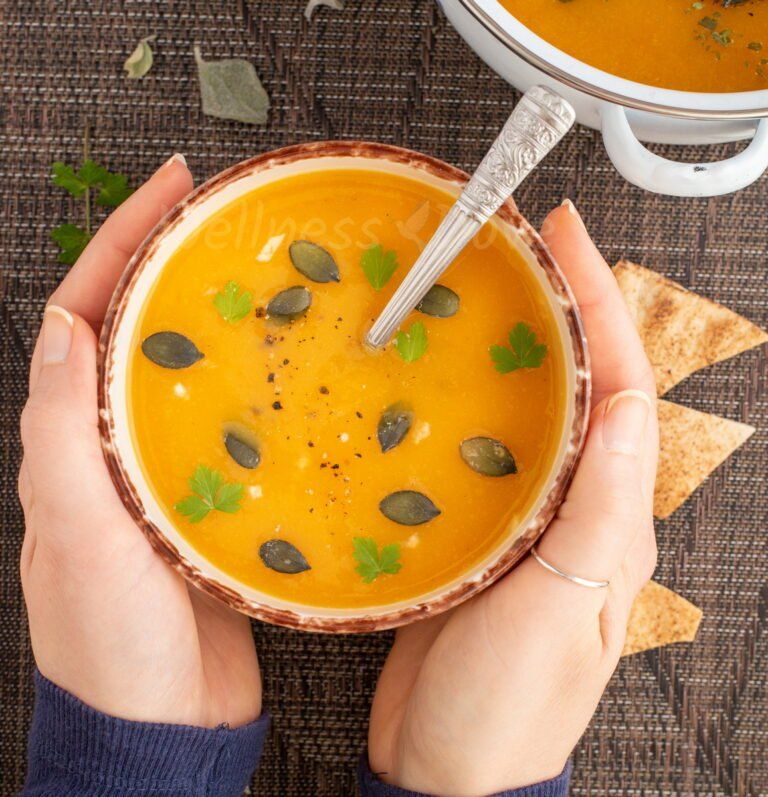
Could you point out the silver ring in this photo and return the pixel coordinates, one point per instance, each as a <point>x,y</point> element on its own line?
<point>582,582</point>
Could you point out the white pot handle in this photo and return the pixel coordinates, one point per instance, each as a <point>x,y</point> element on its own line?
<point>646,170</point>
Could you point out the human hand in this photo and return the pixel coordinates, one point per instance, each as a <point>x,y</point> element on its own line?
<point>496,694</point>
<point>111,622</point>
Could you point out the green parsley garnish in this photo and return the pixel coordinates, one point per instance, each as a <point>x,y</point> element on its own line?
<point>371,563</point>
<point>232,303</point>
<point>112,191</point>
<point>412,344</point>
<point>378,265</point>
<point>524,351</point>
<point>210,492</point>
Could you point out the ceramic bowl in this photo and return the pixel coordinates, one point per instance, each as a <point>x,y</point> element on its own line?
<point>117,341</point>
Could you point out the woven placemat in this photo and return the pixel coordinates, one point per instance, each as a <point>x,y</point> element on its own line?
<point>682,721</point>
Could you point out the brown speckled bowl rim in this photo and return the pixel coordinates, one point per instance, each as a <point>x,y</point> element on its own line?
<point>304,620</point>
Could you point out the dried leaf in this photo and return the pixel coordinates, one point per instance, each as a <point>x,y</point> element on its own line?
<point>312,5</point>
<point>139,62</point>
<point>231,89</point>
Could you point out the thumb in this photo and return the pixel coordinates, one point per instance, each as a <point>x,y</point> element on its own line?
<point>59,425</point>
<point>608,504</point>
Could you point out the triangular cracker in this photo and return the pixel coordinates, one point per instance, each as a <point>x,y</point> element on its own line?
<point>660,617</point>
<point>681,331</point>
<point>692,445</point>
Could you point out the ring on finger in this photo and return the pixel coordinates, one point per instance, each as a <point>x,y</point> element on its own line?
<point>582,582</point>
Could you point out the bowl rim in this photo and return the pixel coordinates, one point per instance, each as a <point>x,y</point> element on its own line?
<point>540,54</point>
<point>361,623</point>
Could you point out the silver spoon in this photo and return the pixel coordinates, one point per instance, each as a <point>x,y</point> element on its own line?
<point>536,125</point>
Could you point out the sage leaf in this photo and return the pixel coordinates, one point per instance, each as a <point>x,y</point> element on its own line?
<point>139,62</point>
<point>231,89</point>
<point>312,5</point>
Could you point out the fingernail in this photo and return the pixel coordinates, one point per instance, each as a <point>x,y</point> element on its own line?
<point>57,334</point>
<point>571,208</point>
<point>626,415</point>
<point>175,158</point>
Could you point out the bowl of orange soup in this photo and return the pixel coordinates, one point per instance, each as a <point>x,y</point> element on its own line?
<point>665,71</point>
<point>281,466</point>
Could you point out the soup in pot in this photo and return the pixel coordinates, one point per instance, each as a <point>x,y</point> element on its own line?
<point>704,45</point>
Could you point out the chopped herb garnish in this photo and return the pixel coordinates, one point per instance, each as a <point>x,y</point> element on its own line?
<point>210,492</point>
<point>524,351</point>
<point>708,23</point>
<point>412,344</point>
<point>378,265</point>
<point>233,303</point>
<point>371,563</point>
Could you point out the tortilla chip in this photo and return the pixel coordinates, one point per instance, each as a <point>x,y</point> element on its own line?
<point>660,617</point>
<point>692,445</point>
<point>681,331</point>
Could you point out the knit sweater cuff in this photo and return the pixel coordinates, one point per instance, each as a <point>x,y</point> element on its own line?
<point>371,786</point>
<point>81,751</point>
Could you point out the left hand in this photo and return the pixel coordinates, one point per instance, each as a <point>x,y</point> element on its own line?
<point>496,694</point>
<point>110,621</point>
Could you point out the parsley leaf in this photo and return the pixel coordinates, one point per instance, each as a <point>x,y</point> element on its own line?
<point>232,303</point>
<point>112,191</point>
<point>371,564</point>
<point>525,352</point>
<point>71,240</point>
<point>65,177</point>
<point>113,188</point>
<point>210,492</point>
<point>378,265</point>
<point>412,344</point>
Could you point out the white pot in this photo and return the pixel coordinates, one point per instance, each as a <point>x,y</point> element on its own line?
<point>626,112</point>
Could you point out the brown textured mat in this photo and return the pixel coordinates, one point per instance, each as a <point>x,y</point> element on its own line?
<point>682,721</point>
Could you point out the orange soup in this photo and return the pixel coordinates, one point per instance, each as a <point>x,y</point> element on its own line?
<point>707,45</point>
<point>303,464</point>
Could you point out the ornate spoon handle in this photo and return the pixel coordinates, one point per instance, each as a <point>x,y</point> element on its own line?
<point>536,125</point>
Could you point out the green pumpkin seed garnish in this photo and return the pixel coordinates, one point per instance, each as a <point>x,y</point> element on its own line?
<point>171,350</point>
<point>313,262</point>
<point>290,303</point>
<point>408,508</point>
<point>394,424</point>
<point>488,456</point>
<point>440,302</point>
<point>283,557</point>
<point>242,447</point>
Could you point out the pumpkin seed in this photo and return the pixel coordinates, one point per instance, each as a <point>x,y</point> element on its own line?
<point>242,447</point>
<point>313,262</point>
<point>290,303</point>
<point>488,456</point>
<point>394,424</point>
<point>440,302</point>
<point>171,350</point>
<point>408,508</point>
<point>283,557</point>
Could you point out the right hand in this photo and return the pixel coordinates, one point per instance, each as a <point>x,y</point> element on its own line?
<point>110,621</point>
<point>495,694</point>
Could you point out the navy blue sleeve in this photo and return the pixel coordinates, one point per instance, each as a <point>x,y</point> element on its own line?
<point>371,786</point>
<point>76,751</point>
